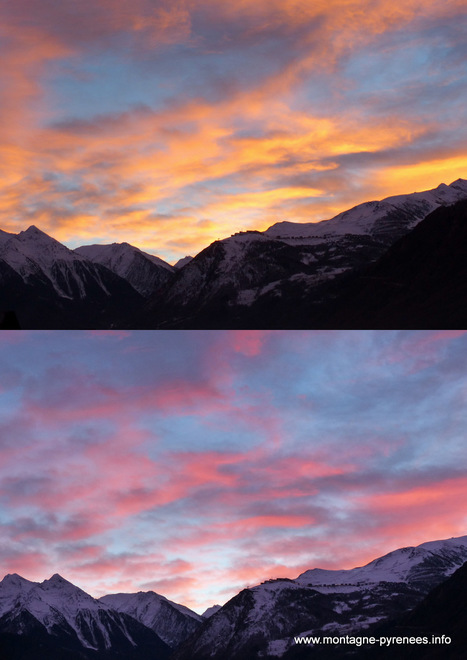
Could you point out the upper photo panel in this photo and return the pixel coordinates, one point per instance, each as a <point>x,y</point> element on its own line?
<point>259,164</point>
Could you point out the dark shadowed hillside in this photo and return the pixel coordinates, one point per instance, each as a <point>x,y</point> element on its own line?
<point>421,282</point>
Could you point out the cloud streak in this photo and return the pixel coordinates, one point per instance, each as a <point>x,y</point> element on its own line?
<point>261,454</point>
<point>170,124</point>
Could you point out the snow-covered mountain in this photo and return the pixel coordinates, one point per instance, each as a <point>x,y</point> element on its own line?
<point>233,271</point>
<point>428,562</point>
<point>145,272</point>
<point>233,281</point>
<point>50,286</point>
<point>262,621</point>
<point>55,619</point>
<point>62,613</point>
<point>420,282</point>
<point>35,255</point>
<point>183,261</point>
<point>391,217</point>
<point>171,621</point>
<point>211,610</point>
<point>281,278</point>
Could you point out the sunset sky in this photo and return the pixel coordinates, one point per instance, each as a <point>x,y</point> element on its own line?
<point>196,463</point>
<point>171,123</point>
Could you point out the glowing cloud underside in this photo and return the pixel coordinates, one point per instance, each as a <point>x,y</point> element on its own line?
<point>170,124</point>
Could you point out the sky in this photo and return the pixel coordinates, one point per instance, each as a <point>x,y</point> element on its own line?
<point>197,463</point>
<point>171,123</point>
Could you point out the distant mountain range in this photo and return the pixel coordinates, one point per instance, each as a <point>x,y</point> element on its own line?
<point>381,255</point>
<point>405,590</point>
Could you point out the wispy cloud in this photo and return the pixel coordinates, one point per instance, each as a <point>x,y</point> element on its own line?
<point>258,454</point>
<point>170,124</point>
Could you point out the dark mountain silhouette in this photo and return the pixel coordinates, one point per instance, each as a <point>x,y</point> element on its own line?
<point>421,282</point>
<point>441,614</point>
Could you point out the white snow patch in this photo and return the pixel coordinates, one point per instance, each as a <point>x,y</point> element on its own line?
<point>364,218</point>
<point>277,647</point>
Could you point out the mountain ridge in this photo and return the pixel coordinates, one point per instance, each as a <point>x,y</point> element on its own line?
<point>262,621</point>
<point>69,618</point>
<point>242,280</point>
<point>172,622</point>
<point>145,272</point>
<point>258,622</point>
<point>360,221</point>
<point>251,279</point>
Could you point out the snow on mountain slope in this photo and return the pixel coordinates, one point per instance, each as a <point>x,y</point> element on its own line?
<point>171,621</point>
<point>211,610</point>
<point>442,612</point>
<point>249,267</point>
<point>227,267</point>
<point>68,612</point>
<point>239,276</point>
<point>403,565</point>
<point>32,251</point>
<point>36,256</point>
<point>13,590</point>
<point>145,272</point>
<point>50,286</point>
<point>4,236</point>
<point>51,602</point>
<point>119,255</point>
<point>181,262</point>
<point>377,218</point>
<point>262,621</point>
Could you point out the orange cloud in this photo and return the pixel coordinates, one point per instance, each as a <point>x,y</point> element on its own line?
<point>173,179</point>
<point>421,176</point>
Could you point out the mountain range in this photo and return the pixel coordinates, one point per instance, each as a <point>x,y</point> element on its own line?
<point>291,275</point>
<point>56,619</point>
<point>397,592</point>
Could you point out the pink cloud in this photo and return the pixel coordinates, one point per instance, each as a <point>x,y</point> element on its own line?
<point>90,472</point>
<point>84,397</point>
<point>27,563</point>
<point>420,500</point>
<point>420,349</point>
<point>248,342</point>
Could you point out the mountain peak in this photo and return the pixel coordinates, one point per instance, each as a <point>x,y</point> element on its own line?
<point>458,183</point>
<point>35,236</point>
<point>32,230</point>
<point>145,272</point>
<point>207,614</point>
<point>57,578</point>
<point>12,585</point>
<point>13,579</point>
<point>58,582</point>
<point>181,262</point>
<point>64,612</point>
